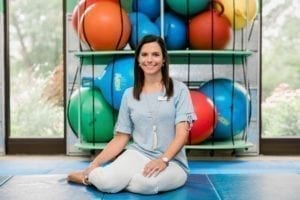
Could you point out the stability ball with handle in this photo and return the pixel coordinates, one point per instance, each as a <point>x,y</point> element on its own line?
<point>209,30</point>
<point>232,102</point>
<point>115,79</point>
<point>90,116</point>
<point>240,13</point>
<point>175,31</point>
<point>207,117</point>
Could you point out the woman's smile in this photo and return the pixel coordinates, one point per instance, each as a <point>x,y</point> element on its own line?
<point>151,58</point>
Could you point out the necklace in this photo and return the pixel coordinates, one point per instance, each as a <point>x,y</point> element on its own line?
<point>153,114</point>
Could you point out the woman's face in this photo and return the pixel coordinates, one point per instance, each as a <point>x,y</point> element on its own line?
<point>151,58</point>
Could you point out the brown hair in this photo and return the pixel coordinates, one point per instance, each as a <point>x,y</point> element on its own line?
<point>139,76</point>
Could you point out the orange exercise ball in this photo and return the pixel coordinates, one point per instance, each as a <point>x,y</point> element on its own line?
<point>207,118</point>
<point>209,30</point>
<point>80,8</point>
<point>105,26</point>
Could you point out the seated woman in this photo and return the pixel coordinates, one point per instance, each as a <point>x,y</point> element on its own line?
<point>157,114</point>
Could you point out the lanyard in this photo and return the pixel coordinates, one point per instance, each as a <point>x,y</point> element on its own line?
<point>154,114</point>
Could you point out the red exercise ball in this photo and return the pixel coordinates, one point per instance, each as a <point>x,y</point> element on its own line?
<point>209,30</point>
<point>207,118</point>
<point>79,10</point>
<point>105,26</point>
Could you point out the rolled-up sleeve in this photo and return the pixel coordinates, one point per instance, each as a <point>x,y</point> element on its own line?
<point>124,123</point>
<point>184,107</point>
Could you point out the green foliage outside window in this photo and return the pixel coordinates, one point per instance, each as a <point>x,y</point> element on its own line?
<point>280,66</point>
<point>35,40</point>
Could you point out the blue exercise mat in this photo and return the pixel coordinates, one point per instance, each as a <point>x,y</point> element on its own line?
<point>55,187</point>
<point>3,179</point>
<point>198,186</point>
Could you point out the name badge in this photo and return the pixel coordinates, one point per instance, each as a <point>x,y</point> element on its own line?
<point>162,98</point>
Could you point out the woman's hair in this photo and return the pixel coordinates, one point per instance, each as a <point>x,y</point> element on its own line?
<point>139,76</point>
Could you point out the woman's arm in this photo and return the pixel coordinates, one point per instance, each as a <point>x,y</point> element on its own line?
<point>181,137</point>
<point>113,148</point>
<point>154,167</point>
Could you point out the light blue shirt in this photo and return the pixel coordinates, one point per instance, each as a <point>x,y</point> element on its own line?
<point>153,109</point>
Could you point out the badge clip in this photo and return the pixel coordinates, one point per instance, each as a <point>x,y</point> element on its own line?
<point>162,98</point>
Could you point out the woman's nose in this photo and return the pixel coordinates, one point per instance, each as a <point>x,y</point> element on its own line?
<point>149,59</point>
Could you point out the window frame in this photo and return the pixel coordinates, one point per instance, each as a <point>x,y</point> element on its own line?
<point>29,145</point>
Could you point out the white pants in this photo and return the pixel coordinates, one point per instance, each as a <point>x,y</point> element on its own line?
<point>126,173</point>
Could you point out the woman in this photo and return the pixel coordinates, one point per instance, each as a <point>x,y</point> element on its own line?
<point>156,114</point>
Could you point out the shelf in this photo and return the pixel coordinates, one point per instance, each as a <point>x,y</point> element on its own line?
<point>176,56</point>
<point>221,145</point>
<point>217,145</point>
<point>90,146</point>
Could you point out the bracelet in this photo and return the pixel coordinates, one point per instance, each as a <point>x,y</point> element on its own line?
<point>85,179</point>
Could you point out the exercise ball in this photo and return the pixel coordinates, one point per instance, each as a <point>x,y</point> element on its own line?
<point>209,30</point>
<point>206,118</point>
<point>115,79</point>
<point>90,116</point>
<point>232,103</point>
<point>105,26</point>
<point>80,8</point>
<point>151,8</point>
<point>141,25</point>
<point>239,12</point>
<point>137,17</point>
<point>175,31</point>
<point>188,7</point>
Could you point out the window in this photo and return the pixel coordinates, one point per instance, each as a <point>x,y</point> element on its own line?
<point>281,73</point>
<point>35,69</point>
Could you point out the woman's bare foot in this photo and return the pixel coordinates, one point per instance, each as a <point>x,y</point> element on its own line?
<point>78,177</point>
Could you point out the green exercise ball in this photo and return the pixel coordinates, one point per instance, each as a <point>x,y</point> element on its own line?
<point>88,106</point>
<point>188,7</point>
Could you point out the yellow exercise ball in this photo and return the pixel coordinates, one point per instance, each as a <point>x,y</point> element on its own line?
<point>244,11</point>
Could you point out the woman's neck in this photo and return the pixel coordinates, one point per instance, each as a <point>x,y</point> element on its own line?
<point>153,84</point>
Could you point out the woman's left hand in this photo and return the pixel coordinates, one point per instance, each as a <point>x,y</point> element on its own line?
<point>154,167</point>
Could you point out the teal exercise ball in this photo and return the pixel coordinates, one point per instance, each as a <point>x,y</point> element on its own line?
<point>232,102</point>
<point>115,79</point>
<point>90,116</point>
<point>188,7</point>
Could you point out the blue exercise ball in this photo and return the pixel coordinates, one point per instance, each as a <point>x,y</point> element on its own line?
<point>115,79</point>
<point>151,8</point>
<point>141,25</point>
<point>232,102</point>
<point>175,31</point>
<point>138,17</point>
